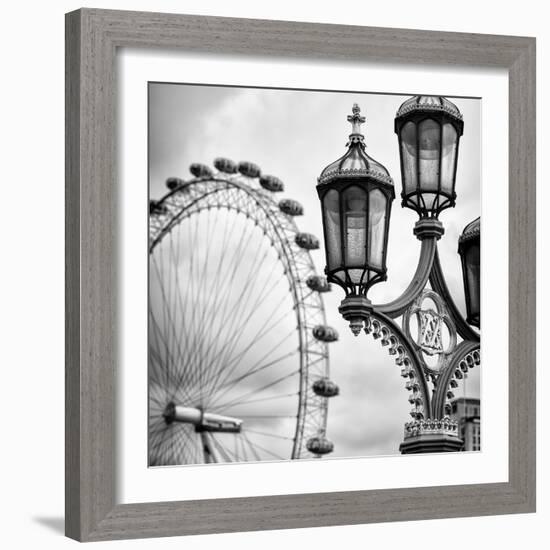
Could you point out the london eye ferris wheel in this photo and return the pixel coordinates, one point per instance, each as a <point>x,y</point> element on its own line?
<point>238,340</point>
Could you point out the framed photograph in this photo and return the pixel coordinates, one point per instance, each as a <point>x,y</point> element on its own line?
<point>280,239</point>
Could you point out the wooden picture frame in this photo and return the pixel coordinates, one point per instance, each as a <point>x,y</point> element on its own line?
<point>92,39</point>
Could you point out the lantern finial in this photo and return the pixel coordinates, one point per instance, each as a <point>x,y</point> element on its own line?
<point>356,119</point>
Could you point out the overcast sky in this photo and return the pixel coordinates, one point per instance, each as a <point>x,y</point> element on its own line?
<point>294,135</point>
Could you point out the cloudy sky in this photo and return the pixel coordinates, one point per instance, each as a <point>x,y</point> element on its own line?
<point>294,135</point>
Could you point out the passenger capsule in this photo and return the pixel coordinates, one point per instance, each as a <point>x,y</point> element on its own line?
<point>157,208</point>
<point>271,183</point>
<point>173,183</point>
<point>307,241</point>
<point>319,445</point>
<point>325,388</point>
<point>201,170</point>
<point>291,207</point>
<point>325,333</point>
<point>249,169</point>
<point>225,165</point>
<point>318,283</point>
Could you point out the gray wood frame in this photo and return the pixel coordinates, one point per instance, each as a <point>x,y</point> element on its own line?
<point>92,38</point>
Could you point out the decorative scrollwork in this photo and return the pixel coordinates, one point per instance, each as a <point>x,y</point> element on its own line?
<point>431,325</point>
<point>355,173</point>
<point>389,334</point>
<point>466,356</point>
<point>444,426</point>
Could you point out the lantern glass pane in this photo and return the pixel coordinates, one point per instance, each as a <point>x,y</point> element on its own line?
<point>429,140</point>
<point>377,225</point>
<point>448,156</point>
<point>355,212</point>
<point>331,210</point>
<point>408,156</point>
<point>473,278</point>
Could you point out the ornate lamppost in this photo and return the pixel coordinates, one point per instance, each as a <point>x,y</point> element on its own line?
<point>356,193</point>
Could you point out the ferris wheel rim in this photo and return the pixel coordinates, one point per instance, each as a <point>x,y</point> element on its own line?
<point>276,218</point>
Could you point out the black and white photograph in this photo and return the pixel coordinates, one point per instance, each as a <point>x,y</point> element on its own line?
<point>243,307</point>
<point>314,274</point>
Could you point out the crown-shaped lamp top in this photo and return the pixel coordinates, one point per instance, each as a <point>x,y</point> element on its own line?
<point>355,163</point>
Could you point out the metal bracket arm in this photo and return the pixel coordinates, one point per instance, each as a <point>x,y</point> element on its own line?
<point>398,306</point>
<point>390,334</point>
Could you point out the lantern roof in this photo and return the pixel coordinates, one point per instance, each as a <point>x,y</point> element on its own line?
<point>356,163</point>
<point>471,231</point>
<point>429,103</point>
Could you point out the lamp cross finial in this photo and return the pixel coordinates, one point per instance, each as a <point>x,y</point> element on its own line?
<point>356,119</point>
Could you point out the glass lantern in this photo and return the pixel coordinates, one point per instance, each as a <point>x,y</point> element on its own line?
<point>469,248</point>
<point>428,130</point>
<point>356,193</point>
